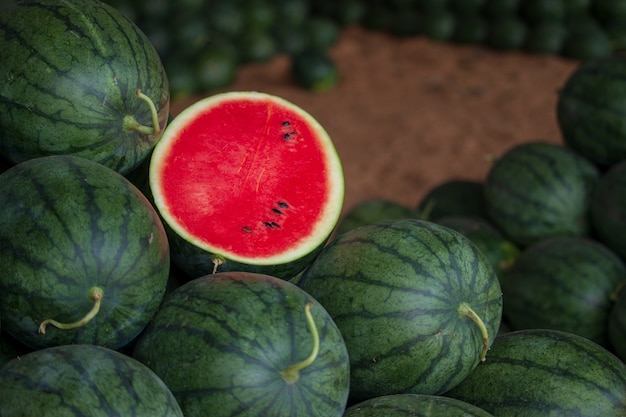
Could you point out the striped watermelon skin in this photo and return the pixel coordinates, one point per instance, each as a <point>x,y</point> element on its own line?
<point>394,289</point>
<point>414,405</point>
<point>538,190</point>
<point>219,342</point>
<point>563,283</point>
<point>539,372</point>
<point>590,107</point>
<point>82,380</point>
<point>68,81</point>
<point>68,224</point>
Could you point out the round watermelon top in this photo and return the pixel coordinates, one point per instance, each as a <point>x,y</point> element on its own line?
<point>249,176</point>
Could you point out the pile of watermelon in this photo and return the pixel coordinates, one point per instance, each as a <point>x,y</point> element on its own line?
<point>204,43</point>
<point>200,265</point>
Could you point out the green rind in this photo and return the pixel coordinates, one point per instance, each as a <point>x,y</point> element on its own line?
<point>68,224</point>
<point>394,289</point>
<point>538,190</point>
<point>538,373</point>
<point>608,209</point>
<point>590,110</point>
<point>197,262</point>
<point>219,342</point>
<point>82,380</point>
<point>414,405</point>
<point>563,284</point>
<point>68,81</point>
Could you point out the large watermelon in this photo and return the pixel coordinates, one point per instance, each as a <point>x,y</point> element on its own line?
<point>590,107</point>
<point>77,77</point>
<point>247,345</point>
<point>79,245</point>
<point>563,283</point>
<point>82,380</point>
<point>537,190</point>
<point>246,181</point>
<point>539,372</point>
<point>417,304</point>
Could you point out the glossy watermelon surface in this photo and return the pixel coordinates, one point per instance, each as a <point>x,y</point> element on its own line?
<point>69,225</point>
<point>68,84</point>
<point>396,290</point>
<point>223,343</point>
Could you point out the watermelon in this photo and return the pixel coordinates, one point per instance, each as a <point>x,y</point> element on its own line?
<point>82,380</point>
<point>77,77</point>
<point>84,255</point>
<point>542,372</point>
<point>563,283</point>
<point>453,197</point>
<point>538,190</point>
<point>589,109</point>
<point>247,344</point>
<point>608,209</point>
<point>246,181</point>
<point>499,249</point>
<point>417,304</point>
<point>617,323</point>
<point>374,211</point>
<point>414,405</point>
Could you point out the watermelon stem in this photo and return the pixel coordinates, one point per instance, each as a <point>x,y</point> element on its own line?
<point>292,373</point>
<point>130,123</point>
<point>95,294</point>
<point>466,311</point>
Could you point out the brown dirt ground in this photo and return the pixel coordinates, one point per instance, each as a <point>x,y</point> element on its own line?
<point>409,113</point>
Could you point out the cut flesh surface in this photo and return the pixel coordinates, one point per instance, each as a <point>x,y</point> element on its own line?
<point>248,176</point>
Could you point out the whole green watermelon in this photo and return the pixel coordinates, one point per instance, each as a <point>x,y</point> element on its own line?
<point>541,372</point>
<point>537,190</point>
<point>69,78</point>
<point>563,283</point>
<point>80,245</point>
<point>243,344</point>
<point>401,292</point>
<point>82,380</point>
<point>590,109</point>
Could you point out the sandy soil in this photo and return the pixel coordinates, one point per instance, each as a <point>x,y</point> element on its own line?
<point>411,113</point>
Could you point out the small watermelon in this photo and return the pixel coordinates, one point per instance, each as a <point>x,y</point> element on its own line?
<point>246,181</point>
<point>247,345</point>
<point>453,197</point>
<point>77,77</point>
<point>540,372</point>
<point>84,255</point>
<point>590,107</point>
<point>414,405</point>
<point>374,211</point>
<point>417,303</point>
<point>563,283</point>
<point>608,209</point>
<point>82,380</point>
<point>538,190</point>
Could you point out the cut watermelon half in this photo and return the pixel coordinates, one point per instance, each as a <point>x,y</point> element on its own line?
<point>250,180</point>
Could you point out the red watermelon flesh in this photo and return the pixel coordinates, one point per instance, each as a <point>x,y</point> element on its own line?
<point>248,176</point>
